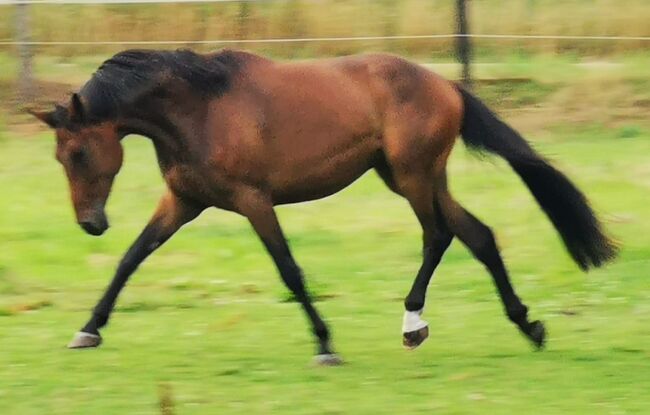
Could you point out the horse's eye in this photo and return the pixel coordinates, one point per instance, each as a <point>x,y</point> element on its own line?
<point>78,156</point>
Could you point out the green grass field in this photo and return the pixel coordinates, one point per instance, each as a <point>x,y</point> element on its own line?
<point>204,326</point>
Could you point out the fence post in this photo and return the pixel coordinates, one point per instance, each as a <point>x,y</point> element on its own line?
<point>463,42</point>
<point>242,19</point>
<point>25,78</point>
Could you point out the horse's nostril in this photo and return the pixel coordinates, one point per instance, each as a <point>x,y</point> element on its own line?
<point>93,228</point>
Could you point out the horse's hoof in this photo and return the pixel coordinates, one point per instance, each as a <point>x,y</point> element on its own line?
<point>328,359</point>
<point>413,339</point>
<point>537,334</point>
<point>84,340</point>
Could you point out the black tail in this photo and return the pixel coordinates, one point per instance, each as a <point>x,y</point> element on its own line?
<point>564,204</point>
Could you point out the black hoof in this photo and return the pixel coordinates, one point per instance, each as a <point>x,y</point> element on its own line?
<point>413,339</point>
<point>536,333</point>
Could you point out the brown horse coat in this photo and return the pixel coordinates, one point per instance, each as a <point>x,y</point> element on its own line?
<point>244,133</point>
<point>301,131</point>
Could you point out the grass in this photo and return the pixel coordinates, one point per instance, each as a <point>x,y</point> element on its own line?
<point>204,327</point>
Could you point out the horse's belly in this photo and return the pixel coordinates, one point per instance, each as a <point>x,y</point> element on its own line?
<point>305,177</point>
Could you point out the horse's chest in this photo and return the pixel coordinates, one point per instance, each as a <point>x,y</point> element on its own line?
<point>181,179</point>
<point>195,184</point>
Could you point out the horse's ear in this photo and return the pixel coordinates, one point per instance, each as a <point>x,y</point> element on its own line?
<point>48,117</point>
<point>76,111</point>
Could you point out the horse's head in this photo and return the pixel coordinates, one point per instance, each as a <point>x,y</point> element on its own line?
<point>91,155</point>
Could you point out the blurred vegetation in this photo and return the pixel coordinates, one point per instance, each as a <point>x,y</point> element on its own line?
<point>539,88</point>
<point>331,18</point>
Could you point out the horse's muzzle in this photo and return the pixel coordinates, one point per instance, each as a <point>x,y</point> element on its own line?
<point>95,225</point>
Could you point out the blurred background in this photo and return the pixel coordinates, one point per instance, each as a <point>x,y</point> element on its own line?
<point>206,326</point>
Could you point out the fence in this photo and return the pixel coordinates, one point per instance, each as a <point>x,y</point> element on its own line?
<point>462,36</point>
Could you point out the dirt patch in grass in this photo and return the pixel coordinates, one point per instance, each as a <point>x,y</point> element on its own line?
<point>24,307</point>
<point>45,94</point>
<point>526,103</point>
<point>533,106</point>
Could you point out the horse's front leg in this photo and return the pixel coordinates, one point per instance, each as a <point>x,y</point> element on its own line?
<point>171,214</point>
<point>258,208</point>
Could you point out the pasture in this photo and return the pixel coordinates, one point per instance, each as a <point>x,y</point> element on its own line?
<point>205,326</point>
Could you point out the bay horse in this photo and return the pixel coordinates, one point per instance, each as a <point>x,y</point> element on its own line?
<point>244,133</point>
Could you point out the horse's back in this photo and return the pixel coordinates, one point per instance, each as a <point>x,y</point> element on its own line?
<point>358,89</point>
<point>313,127</point>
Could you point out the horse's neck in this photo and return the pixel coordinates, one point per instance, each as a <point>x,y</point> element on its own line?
<point>169,121</point>
<point>166,137</point>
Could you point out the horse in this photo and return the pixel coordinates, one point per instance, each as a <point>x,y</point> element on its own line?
<point>244,133</point>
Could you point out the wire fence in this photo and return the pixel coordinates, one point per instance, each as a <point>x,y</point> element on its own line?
<point>26,45</point>
<point>59,2</point>
<point>321,39</point>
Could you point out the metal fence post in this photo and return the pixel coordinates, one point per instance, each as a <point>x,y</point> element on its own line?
<point>25,77</point>
<point>242,19</point>
<point>463,44</point>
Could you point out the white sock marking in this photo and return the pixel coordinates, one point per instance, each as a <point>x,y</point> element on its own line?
<point>412,321</point>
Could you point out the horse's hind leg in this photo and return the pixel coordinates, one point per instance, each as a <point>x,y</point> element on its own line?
<point>480,240</point>
<point>419,190</point>
<point>436,238</point>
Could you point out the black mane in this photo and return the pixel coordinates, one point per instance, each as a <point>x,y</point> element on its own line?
<point>129,75</point>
